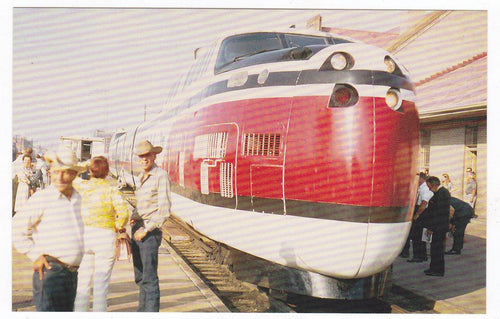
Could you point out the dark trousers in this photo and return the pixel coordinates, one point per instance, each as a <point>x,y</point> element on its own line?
<point>57,290</point>
<point>145,257</point>
<point>459,233</point>
<point>419,247</point>
<point>437,251</point>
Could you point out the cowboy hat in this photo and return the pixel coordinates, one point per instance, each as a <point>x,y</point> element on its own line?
<point>64,158</point>
<point>145,147</point>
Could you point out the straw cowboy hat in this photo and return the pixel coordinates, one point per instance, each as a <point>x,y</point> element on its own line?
<point>64,158</point>
<point>145,147</point>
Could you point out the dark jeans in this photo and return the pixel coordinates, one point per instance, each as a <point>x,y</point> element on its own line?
<point>437,251</point>
<point>145,257</point>
<point>459,233</point>
<point>57,290</point>
<point>419,247</point>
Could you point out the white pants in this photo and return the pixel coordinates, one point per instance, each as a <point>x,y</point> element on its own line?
<point>97,264</point>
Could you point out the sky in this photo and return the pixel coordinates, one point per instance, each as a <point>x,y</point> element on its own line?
<point>76,70</point>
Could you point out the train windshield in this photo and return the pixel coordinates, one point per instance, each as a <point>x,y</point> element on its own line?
<point>240,46</point>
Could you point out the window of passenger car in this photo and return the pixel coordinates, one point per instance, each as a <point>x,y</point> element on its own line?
<point>239,46</point>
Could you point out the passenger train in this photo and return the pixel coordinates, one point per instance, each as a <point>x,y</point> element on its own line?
<point>296,150</point>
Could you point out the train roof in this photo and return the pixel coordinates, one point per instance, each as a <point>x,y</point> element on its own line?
<point>289,31</point>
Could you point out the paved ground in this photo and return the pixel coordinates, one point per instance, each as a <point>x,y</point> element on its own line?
<point>463,288</point>
<point>461,291</point>
<point>181,289</point>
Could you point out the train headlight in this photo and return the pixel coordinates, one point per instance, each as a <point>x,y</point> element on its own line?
<point>391,65</point>
<point>343,95</point>
<point>338,61</point>
<point>393,99</point>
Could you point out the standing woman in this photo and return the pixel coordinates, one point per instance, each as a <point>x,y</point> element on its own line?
<point>447,183</point>
<point>25,178</point>
<point>104,213</point>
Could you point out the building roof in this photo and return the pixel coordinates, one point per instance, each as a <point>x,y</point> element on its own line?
<point>458,91</point>
<point>379,39</point>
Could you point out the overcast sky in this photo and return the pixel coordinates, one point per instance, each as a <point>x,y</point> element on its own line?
<point>75,70</point>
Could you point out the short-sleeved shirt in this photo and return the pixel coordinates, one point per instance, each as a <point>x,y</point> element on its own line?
<point>424,194</point>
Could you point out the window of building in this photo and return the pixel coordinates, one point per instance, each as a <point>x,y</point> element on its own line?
<point>425,150</point>
<point>471,147</point>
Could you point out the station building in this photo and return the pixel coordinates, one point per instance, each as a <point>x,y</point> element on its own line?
<point>446,55</point>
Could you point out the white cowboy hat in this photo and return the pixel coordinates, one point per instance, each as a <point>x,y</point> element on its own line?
<point>64,158</point>
<point>145,147</point>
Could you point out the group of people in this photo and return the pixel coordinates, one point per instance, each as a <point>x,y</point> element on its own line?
<point>69,230</point>
<point>436,213</point>
<point>27,177</point>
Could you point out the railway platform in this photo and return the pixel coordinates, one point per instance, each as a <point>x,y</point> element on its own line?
<point>462,290</point>
<point>181,288</point>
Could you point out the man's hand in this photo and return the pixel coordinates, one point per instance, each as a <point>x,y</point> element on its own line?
<point>140,234</point>
<point>39,264</point>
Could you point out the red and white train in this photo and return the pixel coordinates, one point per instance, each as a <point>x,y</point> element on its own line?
<point>298,150</point>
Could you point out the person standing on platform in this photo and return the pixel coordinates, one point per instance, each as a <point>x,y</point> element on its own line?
<point>423,197</point>
<point>26,178</point>
<point>461,213</point>
<point>104,214</point>
<point>49,230</point>
<point>447,183</point>
<point>471,188</point>
<point>152,211</point>
<point>437,224</point>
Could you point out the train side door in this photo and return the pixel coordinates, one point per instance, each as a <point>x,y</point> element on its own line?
<point>215,149</point>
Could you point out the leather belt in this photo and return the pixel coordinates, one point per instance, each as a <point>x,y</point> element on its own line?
<point>66,266</point>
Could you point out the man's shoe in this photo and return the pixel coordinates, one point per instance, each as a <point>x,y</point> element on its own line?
<point>427,271</point>
<point>452,252</point>
<point>434,273</point>
<point>404,255</point>
<point>415,260</point>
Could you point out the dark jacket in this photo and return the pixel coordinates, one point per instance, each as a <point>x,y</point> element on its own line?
<point>438,211</point>
<point>462,209</point>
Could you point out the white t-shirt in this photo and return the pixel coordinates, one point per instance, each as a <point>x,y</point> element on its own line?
<point>424,194</point>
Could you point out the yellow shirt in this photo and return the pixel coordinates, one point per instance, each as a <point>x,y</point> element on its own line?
<point>102,205</point>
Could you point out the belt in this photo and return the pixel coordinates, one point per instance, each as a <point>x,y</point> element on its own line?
<point>66,266</point>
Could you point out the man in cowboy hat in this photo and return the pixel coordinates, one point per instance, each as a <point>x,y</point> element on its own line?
<point>49,230</point>
<point>152,211</point>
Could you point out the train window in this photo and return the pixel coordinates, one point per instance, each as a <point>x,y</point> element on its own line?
<point>240,46</point>
<point>295,40</point>
<point>340,40</point>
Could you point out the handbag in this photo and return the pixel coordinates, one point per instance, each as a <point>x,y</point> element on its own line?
<point>123,247</point>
